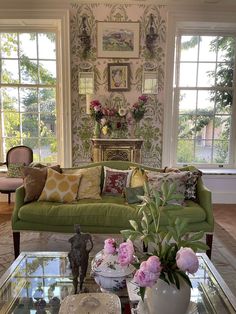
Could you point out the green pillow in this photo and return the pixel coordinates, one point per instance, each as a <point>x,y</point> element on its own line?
<point>15,170</point>
<point>131,194</point>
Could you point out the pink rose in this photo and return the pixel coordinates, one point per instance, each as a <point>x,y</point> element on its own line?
<point>154,264</point>
<point>126,253</point>
<point>186,260</point>
<point>109,246</point>
<point>143,98</point>
<point>145,278</point>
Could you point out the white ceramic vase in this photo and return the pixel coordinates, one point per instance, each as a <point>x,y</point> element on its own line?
<point>167,299</point>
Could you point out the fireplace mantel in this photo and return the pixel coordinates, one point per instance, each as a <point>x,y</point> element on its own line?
<point>116,149</point>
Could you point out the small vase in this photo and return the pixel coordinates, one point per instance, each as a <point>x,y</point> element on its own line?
<point>133,130</point>
<point>96,132</point>
<point>168,299</point>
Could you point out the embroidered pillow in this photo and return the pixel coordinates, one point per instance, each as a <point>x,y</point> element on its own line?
<point>115,180</point>
<point>34,181</point>
<point>60,187</point>
<point>156,179</point>
<point>15,170</point>
<point>90,184</point>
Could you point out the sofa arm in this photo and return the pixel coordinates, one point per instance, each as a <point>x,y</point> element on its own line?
<point>204,199</point>
<point>19,201</point>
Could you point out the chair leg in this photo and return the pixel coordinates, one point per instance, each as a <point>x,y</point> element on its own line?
<point>9,198</point>
<point>16,242</point>
<point>209,240</point>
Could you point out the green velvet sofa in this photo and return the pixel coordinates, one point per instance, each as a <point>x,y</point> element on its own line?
<point>106,216</point>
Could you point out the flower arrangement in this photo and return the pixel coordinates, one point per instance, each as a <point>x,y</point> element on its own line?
<point>112,119</point>
<point>138,109</point>
<point>173,256</point>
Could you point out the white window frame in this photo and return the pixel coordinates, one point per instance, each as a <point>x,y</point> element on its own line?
<point>189,21</point>
<point>50,21</point>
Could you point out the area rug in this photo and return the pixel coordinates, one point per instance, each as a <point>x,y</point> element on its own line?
<point>223,253</point>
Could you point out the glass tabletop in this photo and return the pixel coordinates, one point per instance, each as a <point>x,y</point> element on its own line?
<point>209,294</point>
<point>38,282</point>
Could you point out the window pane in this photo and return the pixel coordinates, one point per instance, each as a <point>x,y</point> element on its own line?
<point>30,125</point>
<point>205,101</point>
<point>189,48</point>
<point>49,149</point>
<point>224,101</point>
<point>47,100</point>
<point>226,48</point>
<point>203,151</point>
<point>205,51</point>
<point>221,152</point>
<point>186,126</point>
<point>47,46</point>
<point>224,74</point>
<point>185,151</point>
<point>47,72</point>
<point>9,45</point>
<point>187,101</point>
<point>28,100</point>
<point>29,71</point>
<point>10,73</point>
<point>188,73</point>
<point>222,127</point>
<point>9,97</point>
<point>206,74</point>
<point>11,122</point>
<point>10,142</point>
<point>47,124</point>
<point>28,45</point>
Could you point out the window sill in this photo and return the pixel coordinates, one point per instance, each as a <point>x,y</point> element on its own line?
<point>217,171</point>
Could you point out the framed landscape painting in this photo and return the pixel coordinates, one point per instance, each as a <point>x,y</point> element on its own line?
<point>117,39</point>
<point>118,77</point>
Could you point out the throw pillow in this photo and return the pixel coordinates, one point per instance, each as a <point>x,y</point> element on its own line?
<point>131,194</point>
<point>90,184</point>
<point>138,177</point>
<point>15,170</point>
<point>156,179</point>
<point>191,185</point>
<point>34,181</point>
<point>60,187</point>
<point>115,180</point>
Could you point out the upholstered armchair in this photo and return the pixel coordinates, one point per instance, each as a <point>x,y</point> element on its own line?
<point>16,158</point>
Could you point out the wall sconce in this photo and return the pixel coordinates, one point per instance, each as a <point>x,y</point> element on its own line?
<point>152,35</point>
<point>84,37</point>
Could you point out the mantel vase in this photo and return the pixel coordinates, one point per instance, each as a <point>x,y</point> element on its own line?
<point>167,299</point>
<point>96,132</point>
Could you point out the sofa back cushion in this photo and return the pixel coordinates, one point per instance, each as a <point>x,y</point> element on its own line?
<point>60,187</point>
<point>90,184</point>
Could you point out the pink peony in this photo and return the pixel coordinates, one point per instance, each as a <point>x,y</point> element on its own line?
<point>187,260</point>
<point>109,246</point>
<point>154,264</point>
<point>143,98</point>
<point>126,253</point>
<point>145,278</point>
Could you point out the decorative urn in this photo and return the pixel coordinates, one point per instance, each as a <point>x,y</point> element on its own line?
<point>108,273</point>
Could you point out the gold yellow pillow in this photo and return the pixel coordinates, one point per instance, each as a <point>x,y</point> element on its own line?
<point>60,187</point>
<point>138,177</point>
<point>90,184</point>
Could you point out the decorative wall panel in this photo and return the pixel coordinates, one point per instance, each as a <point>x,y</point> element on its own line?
<point>150,127</point>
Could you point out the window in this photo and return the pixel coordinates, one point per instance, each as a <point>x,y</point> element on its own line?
<point>28,93</point>
<point>203,99</point>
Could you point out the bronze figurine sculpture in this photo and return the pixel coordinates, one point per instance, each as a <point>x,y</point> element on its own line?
<point>81,245</point>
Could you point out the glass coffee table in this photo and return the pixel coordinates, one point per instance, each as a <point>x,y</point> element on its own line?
<point>39,281</point>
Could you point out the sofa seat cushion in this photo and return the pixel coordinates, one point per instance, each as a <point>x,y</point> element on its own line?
<point>110,211</point>
<point>88,212</point>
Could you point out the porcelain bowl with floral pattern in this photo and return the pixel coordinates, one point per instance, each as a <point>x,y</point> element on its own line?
<point>108,273</point>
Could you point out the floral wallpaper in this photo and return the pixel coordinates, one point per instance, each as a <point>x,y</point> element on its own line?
<point>150,127</point>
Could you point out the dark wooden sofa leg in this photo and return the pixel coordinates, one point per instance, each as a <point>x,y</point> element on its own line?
<point>16,242</point>
<point>209,240</point>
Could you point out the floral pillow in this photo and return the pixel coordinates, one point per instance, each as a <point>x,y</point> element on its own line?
<point>191,185</point>
<point>155,180</point>
<point>15,170</point>
<point>115,181</point>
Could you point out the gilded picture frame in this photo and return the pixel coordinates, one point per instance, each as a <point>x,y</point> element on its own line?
<point>118,77</point>
<point>117,39</point>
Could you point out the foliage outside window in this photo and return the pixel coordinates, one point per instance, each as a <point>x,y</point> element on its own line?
<point>203,94</point>
<point>28,93</point>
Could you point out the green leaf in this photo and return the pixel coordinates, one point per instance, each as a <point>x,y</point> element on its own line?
<point>185,277</point>
<point>177,283</point>
<point>134,224</point>
<point>142,292</point>
<point>197,236</point>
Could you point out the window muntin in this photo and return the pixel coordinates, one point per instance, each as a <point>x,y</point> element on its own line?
<point>28,93</point>
<point>204,98</point>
